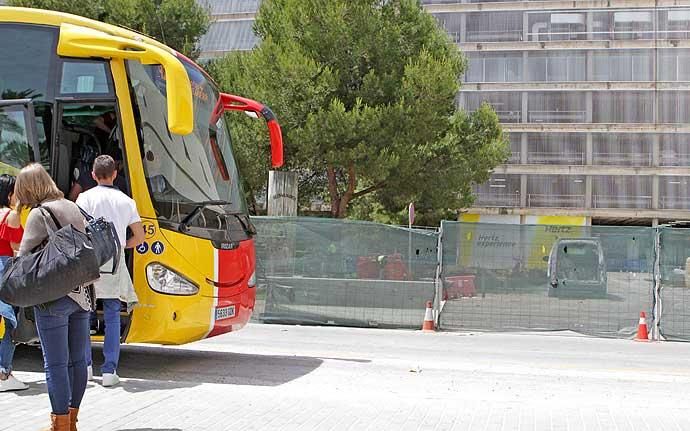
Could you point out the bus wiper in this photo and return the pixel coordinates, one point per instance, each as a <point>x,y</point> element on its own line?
<point>184,224</point>
<point>247,225</point>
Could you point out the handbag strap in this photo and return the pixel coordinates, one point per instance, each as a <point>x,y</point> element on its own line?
<point>50,230</point>
<point>89,218</point>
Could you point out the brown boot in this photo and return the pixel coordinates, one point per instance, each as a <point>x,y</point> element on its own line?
<point>73,413</point>
<point>59,423</point>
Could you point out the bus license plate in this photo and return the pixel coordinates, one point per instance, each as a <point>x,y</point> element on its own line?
<point>225,312</point>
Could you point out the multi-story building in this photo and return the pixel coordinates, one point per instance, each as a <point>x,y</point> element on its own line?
<point>595,96</point>
<point>231,29</point>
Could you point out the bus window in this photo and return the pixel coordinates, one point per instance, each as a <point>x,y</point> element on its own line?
<point>27,58</point>
<point>15,147</point>
<point>86,131</point>
<point>85,77</point>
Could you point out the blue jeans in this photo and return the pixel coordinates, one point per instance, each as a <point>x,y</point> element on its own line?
<point>63,328</point>
<point>111,343</point>
<point>6,345</point>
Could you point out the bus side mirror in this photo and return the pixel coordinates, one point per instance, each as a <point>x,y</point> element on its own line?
<point>230,102</point>
<point>83,42</point>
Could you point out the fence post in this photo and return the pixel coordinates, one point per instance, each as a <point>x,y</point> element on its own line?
<point>656,330</point>
<point>438,283</point>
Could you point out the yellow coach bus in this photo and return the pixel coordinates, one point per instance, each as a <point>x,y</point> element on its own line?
<point>72,88</point>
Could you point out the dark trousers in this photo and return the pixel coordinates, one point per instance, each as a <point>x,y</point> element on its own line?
<point>63,328</point>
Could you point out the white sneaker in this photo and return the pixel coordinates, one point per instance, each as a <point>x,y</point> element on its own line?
<point>12,384</point>
<point>89,373</point>
<point>110,380</point>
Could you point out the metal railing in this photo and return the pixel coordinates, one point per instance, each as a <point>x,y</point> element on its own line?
<point>503,200</point>
<point>556,158</point>
<point>675,160</point>
<point>557,116</point>
<point>604,201</point>
<point>509,116</point>
<point>494,36</point>
<point>623,159</point>
<point>555,201</point>
<point>674,203</point>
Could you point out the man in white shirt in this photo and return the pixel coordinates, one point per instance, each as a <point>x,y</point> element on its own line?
<point>106,201</point>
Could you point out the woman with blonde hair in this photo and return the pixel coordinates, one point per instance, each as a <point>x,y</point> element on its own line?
<point>63,325</point>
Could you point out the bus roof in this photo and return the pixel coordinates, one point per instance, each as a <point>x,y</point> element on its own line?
<point>49,17</point>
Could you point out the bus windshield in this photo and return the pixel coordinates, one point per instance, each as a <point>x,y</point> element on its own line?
<point>184,172</point>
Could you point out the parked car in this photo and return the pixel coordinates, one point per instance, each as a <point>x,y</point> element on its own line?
<point>577,267</point>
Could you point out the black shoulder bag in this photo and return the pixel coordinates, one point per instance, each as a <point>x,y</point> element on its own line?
<point>104,239</point>
<point>66,261</point>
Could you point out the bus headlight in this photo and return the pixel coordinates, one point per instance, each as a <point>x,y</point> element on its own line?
<point>164,280</point>
<point>252,280</point>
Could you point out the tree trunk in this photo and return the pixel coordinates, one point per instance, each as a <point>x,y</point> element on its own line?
<point>340,203</point>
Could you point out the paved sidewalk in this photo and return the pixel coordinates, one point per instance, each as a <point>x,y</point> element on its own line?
<point>270,377</point>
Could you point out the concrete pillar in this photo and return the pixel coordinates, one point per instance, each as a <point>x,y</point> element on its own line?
<point>589,149</point>
<point>525,27</point>
<point>525,107</point>
<point>589,107</point>
<point>524,148</point>
<point>523,191</point>
<point>525,66</point>
<point>655,192</point>
<point>588,193</point>
<point>656,150</point>
<point>655,222</point>
<point>463,28</point>
<point>460,100</point>
<point>590,25</point>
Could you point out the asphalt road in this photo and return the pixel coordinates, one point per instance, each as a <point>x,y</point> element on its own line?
<point>271,377</point>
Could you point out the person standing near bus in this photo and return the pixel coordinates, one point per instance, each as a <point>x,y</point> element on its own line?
<point>63,325</point>
<point>107,201</point>
<point>10,236</point>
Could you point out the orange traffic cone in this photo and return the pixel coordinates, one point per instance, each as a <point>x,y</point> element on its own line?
<point>642,333</point>
<point>428,325</point>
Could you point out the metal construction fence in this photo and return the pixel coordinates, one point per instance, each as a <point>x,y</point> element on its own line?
<point>590,279</point>
<point>325,271</point>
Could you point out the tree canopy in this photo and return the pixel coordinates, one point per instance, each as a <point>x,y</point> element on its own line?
<point>177,23</point>
<point>366,93</point>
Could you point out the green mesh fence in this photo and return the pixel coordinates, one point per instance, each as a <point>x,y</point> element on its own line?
<point>590,279</point>
<point>674,268</point>
<point>593,280</point>
<point>325,271</point>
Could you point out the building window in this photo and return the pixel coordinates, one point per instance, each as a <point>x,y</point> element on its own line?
<point>515,148</point>
<point>622,149</point>
<point>623,107</point>
<point>675,150</point>
<point>555,191</point>
<point>673,65</point>
<point>507,105</point>
<point>557,66</point>
<point>494,26</point>
<point>674,24</point>
<point>674,107</point>
<point>623,65</point>
<point>556,148</point>
<point>674,193</point>
<point>499,191</point>
<point>557,107</point>
<point>621,192</point>
<point>557,26</point>
<point>501,67</point>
